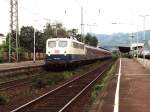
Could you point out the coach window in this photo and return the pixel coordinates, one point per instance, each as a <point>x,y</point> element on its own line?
<point>52,44</point>
<point>62,44</point>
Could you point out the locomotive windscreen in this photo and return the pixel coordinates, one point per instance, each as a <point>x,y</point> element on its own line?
<point>52,44</point>
<point>62,43</point>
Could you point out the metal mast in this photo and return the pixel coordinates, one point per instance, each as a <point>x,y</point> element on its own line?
<point>14,31</point>
<point>82,25</point>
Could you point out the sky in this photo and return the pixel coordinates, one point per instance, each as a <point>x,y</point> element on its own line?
<point>98,15</point>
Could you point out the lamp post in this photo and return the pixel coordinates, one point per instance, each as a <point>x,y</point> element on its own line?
<point>137,39</point>
<point>34,55</point>
<point>144,17</point>
<point>34,46</point>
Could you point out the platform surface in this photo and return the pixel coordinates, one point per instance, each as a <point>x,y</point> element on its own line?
<point>6,66</point>
<point>134,90</point>
<point>134,87</point>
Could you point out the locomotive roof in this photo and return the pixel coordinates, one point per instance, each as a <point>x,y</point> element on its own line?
<point>97,48</point>
<point>54,39</point>
<point>88,46</point>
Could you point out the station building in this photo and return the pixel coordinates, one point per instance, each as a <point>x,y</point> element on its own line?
<point>133,49</point>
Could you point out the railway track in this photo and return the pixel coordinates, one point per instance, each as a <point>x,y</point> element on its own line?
<point>12,88</point>
<point>62,98</point>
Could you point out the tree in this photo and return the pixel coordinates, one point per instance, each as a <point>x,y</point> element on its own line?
<point>94,41</point>
<point>61,33</point>
<point>74,33</point>
<point>53,31</point>
<point>27,39</point>
<point>48,31</point>
<point>79,37</point>
<point>87,39</point>
<point>40,43</point>
<point>91,40</point>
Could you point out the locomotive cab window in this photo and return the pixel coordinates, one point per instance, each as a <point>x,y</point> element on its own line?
<point>62,44</point>
<point>52,44</point>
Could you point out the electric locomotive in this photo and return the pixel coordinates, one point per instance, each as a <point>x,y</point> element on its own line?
<point>63,51</point>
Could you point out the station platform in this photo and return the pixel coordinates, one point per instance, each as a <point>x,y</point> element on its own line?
<point>133,92</point>
<point>9,66</point>
<point>134,87</point>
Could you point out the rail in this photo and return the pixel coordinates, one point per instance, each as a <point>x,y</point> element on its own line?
<point>62,97</point>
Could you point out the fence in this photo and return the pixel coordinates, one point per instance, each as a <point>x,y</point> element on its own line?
<point>23,56</point>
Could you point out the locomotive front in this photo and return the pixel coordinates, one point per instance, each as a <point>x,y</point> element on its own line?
<point>57,51</point>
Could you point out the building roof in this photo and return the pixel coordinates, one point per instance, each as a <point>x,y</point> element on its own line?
<point>2,35</point>
<point>128,48</point>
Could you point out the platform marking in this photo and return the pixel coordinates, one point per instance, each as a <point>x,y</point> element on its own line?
<point>116,103</point>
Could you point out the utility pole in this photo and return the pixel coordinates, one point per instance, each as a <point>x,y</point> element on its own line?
<point>132,42</point>
<point>82,25</point>
<point>14,31</point>
<point>34,55</point>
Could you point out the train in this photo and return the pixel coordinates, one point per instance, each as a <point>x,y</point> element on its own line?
<point>69,52</point>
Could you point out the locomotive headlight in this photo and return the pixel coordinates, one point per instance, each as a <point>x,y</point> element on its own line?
<point>49,54</point>
<point>65,53</point>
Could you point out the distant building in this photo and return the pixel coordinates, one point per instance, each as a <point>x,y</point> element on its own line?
<point>131,47</point>
<point>2,39</point>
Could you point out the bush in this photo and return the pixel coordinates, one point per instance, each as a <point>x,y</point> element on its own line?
<point>98,87</point>
<point>57,78</point>
<point>67,74</point>
<point>4,100</point>
<point>50,79</point>
<point>38,83</point>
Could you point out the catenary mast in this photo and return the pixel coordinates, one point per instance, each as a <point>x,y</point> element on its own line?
<point>14,31</point>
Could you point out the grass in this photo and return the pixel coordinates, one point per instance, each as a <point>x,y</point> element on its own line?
<point>101,85</point>
<point>3,100</point>
<point>56,77</point>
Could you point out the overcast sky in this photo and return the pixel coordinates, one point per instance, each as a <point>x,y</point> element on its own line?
<point>98,14</point>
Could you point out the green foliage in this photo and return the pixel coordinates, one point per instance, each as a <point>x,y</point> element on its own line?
<point>40,42</point>
<point>3,100</point>
<point>27,39</point>
<point>48,31</point>
<point>79,37</point>
<point>38,83</point>
<point>50,79</point>
<point>51,31</point>
<point>98,87</point>
<point>67,74</point>
<point>91,40</point>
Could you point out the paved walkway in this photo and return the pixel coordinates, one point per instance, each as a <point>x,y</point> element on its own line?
<point>7,66</point>
<point>134,87</point>
<point>134,91</point>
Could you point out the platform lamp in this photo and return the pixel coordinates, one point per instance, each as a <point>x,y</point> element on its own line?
<point>137,39</point>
